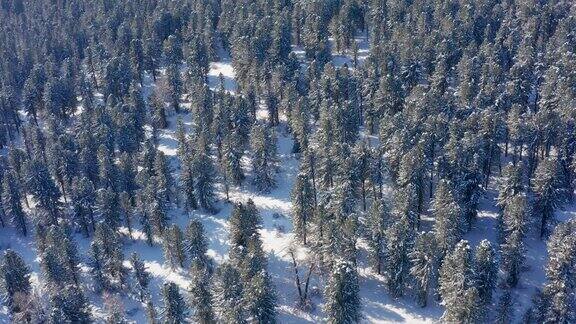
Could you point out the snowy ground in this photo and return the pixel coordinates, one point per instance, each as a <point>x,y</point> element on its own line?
<point>275,207</point>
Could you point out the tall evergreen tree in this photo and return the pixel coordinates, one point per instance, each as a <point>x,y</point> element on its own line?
<point>83,201</point>
<point>377,223</point>
<point>260,298</point>
<point>548,193</point>
<point>163,178</point>
<point>424,259</point>
<point>302,206</point>
<point>107,258</point>
<point>141,276</point>
<point>459,295</point>
<point>187,181</point>
<point>504,310</point>
<point>445,209</point>
<point>200,297</point>
<point>343,295</point>
<point>559,293</point>
<point>66,249</point>
<point>485,271</point>
<point>399,238</point>
<point>205,175</point>
<point>70,305</point>
<point>232,159</point>
<point>107,206</point>
<point>158,111</point>
<point>195,243</point>
<point>228,292</point>
<point>173,86</point>
<point>512,248</point>
<point>173,245</point>
<point>12,201</point>
<point>264,158</point>
<point>512,184</point>
<point>114,310</point>
<point>174,310</point>
<point>151,315</point>
<point>14,279</point>
<point>39,183</point>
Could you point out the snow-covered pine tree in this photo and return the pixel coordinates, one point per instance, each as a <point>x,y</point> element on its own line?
<point>60,238</point>
<point>108,256</point>
<point>485,272</point>
<point>250,259</point>
<point>173,246</point>
<point>69,305</point>
<point>203,110</point>
<point>146,224</point>
<point>559,292</point>
<point>187,181</point>
<point>83,201</point>
<point>512,183</point>
<point>406,205</point>
<point>107,172</point>
<point>377,223</point>
<point>424,269</point>
<point>445,209</point>
<point>244,223</point>
<point>412,172</point>
<point>548,193</point>
<point>299,124</point>
<point>158,111</point>
<point>114,309</point>
<point>344,200</point>
<point>228,294</point>
<point>200,294</point>
<point>221,123</point>
<point>204,185</point>
<point>107,207</point>
<point>153,207</point>
<point>302,206</point>
<point>377,171</point>
<point>342,295</point>
<point>163,179</point>
<point>260,298</point>
<point>40,185</point>
<point>173,86</point>
<point>361,168</point>
<point>127,211</point>
<point>504,313</point>
<point>53,270</point>
<point>537,310</point>
<point>12,201</point>
<point>141,276</point>
<point>459,296</point>
<point>512,246</point>
<point>174,310</point>
<point>232,159</point>
<point>325,159</point>
<point>195,243</point>
<point>14,279</point>
<point>399,238</point>
<point>511,186</point>
<point>263,143</point>
<point>151,314</point>
<point>127,170</point>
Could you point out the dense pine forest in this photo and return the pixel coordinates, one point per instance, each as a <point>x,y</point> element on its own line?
<point>290,161</point>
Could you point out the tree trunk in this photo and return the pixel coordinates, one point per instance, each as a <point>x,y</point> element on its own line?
<point>297,277</point>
